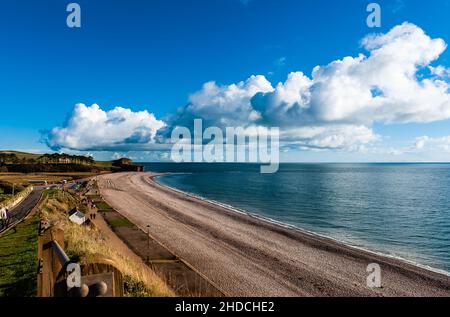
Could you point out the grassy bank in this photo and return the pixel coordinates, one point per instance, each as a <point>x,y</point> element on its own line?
<point>18,259</point>
<point>12,200</point>
<point>24,178</point>
<point>86,242</point>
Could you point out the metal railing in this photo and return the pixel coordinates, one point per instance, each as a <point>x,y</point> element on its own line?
<point>98,288</point>
<point>62,256</point>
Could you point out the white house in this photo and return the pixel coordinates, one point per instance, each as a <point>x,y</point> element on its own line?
<point>78,217</point>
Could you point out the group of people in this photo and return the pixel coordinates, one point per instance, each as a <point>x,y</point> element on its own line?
<point>4,217</point>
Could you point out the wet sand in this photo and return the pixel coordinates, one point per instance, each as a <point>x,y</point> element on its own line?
<point>248,256</point>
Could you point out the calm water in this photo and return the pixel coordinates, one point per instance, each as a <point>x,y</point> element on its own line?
<point>398,209</point>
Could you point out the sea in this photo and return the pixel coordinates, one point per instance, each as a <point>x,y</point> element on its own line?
<point>399,210</point>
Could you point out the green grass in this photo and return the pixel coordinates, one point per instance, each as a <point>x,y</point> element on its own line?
<point>133,288</point>
<point>4,197</point>
<point>18,259</point>
<point>94,198</point>
<point>103,206</point>
<point>122,222</point>
<point>103,164</point>
<point>22,155</point>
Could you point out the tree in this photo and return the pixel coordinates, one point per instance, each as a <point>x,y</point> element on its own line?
<point>9,158</point>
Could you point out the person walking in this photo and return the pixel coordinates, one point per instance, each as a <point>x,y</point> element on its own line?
<point>7,217</point>
<point>3,217</point>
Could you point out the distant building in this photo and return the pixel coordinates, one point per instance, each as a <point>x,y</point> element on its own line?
<point>139,168</point>
<point>77,217</point>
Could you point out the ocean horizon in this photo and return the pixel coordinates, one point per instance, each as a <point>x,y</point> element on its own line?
<point>397,209</point>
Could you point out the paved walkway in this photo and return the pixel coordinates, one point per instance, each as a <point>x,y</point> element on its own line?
<point>23,209</point>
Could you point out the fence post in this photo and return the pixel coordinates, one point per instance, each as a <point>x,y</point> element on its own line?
<point>49,264</point>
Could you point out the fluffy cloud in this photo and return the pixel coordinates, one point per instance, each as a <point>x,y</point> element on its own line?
<point>333,108</point>
<point>224,105</point>
<point>93,129</point>
<point>440,71</point>
<point>349,137</point>
<point>433,143</point>
<point>383,87</point>
<point>337,105</point>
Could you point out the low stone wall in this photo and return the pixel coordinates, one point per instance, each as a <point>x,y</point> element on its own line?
<point>12,202</point>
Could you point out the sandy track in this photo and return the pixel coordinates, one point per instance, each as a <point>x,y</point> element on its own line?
<point>246,256</point>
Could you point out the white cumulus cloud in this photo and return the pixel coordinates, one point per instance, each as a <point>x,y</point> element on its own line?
<point>93,129</point>
<point>350,137</point>
<point>440,71</point>
<point>337,106</point>
<point>223,106</point>
<point>383,87</point>
<point>433,143</point>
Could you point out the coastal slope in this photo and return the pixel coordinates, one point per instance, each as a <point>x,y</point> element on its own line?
<point>247,256</point>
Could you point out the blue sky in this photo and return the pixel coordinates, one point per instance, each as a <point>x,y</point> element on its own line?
<point>152,55</point>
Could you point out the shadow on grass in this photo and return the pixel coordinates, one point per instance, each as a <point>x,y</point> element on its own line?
<point>22,287</point>
<point>18,260</point>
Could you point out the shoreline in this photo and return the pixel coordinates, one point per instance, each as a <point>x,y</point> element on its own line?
<point>250,256</point>
<point>296,228</point>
